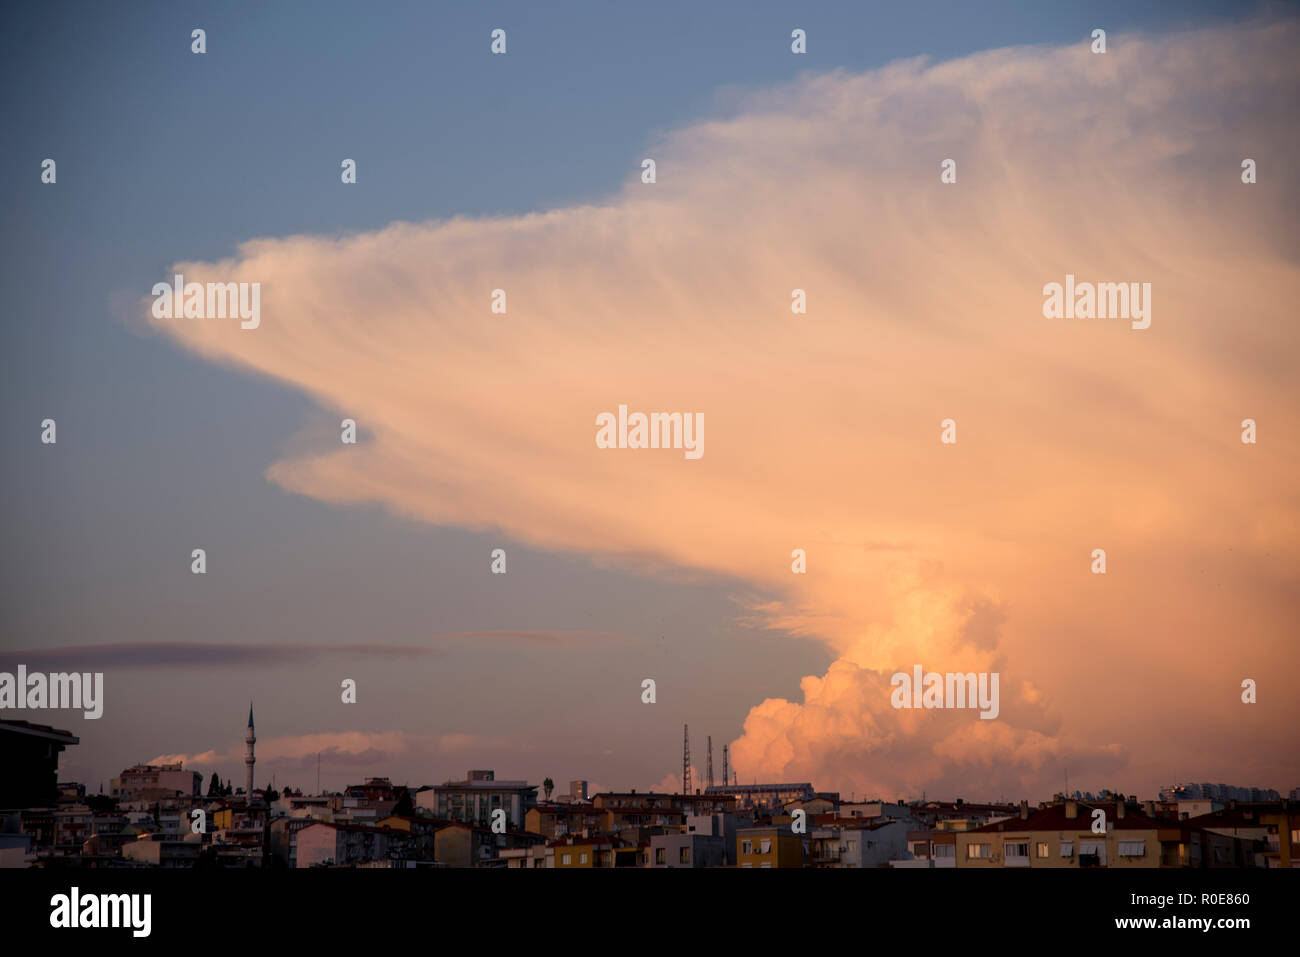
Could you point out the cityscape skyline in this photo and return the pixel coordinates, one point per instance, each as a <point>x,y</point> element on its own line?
<point>1188,788</point>
<point>161,816</point>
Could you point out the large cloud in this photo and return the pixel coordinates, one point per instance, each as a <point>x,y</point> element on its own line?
<point>924,302</point>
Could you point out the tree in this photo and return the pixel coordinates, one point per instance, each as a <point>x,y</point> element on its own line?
<point>547,787</point>
<point>214,786</point>
<point>102,804</point>
<point>270,794</point>
<point>404,807</point>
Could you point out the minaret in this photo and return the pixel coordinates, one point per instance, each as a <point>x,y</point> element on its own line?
<point>249,740</point>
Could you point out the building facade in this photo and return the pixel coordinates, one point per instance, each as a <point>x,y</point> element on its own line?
<point>156,782</point>
<point>474,799</point>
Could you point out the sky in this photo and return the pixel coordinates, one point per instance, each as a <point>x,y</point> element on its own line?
<point>774,171</point>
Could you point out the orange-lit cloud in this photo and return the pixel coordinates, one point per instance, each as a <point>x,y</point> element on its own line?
<point>924,303</point>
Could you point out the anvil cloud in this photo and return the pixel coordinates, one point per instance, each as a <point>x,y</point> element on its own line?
<point>924,303</point>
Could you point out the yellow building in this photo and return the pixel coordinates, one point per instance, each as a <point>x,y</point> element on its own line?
<point>228,817</point>
<point>769,847</point>
<point>1283,837</point>
<point>584,854</point>
<point>557,820</point>
<point>1062,835</point>
<point>1246,834</point>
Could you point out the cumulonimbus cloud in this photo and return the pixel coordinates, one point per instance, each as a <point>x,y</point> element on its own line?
<point>924,302</point>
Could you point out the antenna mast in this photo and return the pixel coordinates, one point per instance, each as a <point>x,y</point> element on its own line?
<point>686,759</point>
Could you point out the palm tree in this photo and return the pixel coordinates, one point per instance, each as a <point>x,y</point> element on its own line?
<point>547,787</point>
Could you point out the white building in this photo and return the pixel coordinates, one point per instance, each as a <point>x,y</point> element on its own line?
<point>473,800</point>
<point>154,782</point>
<point>873,844</point>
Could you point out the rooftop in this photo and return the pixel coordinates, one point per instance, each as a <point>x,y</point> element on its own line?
<point>1054,817</point>
<point>39,731</point>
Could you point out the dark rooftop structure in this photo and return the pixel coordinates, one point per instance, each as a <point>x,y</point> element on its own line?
<point>29,757</point>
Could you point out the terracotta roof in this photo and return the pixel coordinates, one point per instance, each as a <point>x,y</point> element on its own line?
<point>679,812</point>
<point>570,810</point>
<point>350,826</point>
<point>1052,818</point>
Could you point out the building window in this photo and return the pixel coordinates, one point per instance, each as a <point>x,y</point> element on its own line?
<point>766,864</point>
<point>566,859</point>
<point>977,852</point>
<point>1132,848</point>
<point>1092,854</point>
<point>661,855</point>
<point>582,858</point>
<point>684,857</point>
<point>765,845</point>
<point>1042,849</point>
<point>747,847</point>
<point>1016,849</point>
<point>1067,848</point>
<point>945,850</point>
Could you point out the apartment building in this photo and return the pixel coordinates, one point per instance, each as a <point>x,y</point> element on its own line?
<point>929,847</point>
<point>686,850</point>
<point>871,844</point>
<point>1061,835</point>
<point>1255,834</point>
<point>154,782</point>
<point>765,797</point>
<point>765,847</point>
<point>596,852</point>
<point>158,851</point>
<point>341,845</point>
<point>474,799</point>
<point>561,819</point>
<point>710,802</point>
